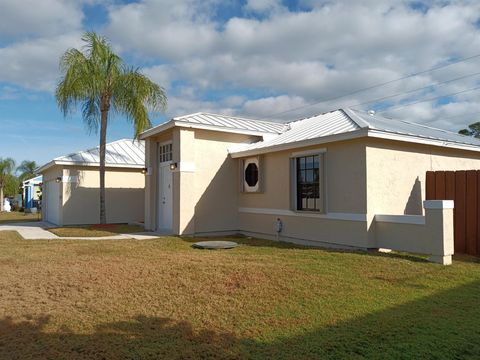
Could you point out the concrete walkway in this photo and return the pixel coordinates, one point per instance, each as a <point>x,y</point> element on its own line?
<point>36,231</point>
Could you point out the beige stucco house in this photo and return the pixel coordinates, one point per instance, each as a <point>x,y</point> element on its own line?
<point>343,178</point>
<point>71,185</point>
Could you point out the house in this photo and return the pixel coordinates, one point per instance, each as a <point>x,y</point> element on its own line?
<point>335,179</point>
<point>71,185</point>
<point>31,191</point>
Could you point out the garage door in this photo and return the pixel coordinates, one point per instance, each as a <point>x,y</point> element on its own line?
<point>52,202</point>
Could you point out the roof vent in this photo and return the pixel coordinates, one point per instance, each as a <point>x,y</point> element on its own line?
<point>371,112</point>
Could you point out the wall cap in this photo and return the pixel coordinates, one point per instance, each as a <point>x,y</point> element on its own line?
<point>438,204</point>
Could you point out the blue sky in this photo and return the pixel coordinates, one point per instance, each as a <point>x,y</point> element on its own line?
<point>254,58</point>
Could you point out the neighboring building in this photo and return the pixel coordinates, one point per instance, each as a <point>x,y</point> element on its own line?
<point>32,192</point>
<point>325,177</point>
<point>71,194</point>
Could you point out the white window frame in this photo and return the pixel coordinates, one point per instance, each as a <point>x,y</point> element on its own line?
<point>322,180</point>
<point>244,187</point>
<point>160,154</point>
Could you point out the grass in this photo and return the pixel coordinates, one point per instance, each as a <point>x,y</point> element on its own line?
<point>161,299</point>
<point>96,230</point>
<point>16,216</point>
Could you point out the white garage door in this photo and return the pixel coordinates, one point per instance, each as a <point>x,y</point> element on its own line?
<point>51,202</point>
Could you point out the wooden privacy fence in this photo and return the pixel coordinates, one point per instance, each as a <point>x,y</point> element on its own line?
<point>463,187</point>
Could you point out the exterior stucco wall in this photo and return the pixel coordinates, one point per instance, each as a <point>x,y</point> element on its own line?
<point>205,183</point>
<point>81,193</point>
<point>205,194</point>
<point>345,179</point>
<point>345,192</point>
<point>396,173</point>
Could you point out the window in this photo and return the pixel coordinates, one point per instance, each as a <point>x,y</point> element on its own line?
<point>251,174</point>
<point>165,152</point>
<point>308,183</point>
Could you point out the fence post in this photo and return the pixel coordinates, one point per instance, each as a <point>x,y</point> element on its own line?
<point>439,226</point>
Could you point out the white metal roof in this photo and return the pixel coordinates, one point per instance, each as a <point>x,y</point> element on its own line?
<point>218,122</point>
<point>121,153</point>
<point>347,123</point>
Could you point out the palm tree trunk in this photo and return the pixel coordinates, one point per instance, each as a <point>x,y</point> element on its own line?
<point>1,197</point>
<point>103,141</point>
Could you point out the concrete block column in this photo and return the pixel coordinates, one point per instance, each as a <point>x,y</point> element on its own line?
<point>439,226</point>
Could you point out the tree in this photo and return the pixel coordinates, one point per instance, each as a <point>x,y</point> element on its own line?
<point>99,80</point>
<point>6,168</point>
<point>12,185</point>
<point>473,130</point>
<point>27,169</point>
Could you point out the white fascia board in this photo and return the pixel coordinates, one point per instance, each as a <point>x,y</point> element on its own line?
<point>303,143</point>
<point>421,140</point>
<point>45,167</point>
<point>157,129</point>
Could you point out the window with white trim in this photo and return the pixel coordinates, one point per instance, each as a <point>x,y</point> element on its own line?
<point>309,194</point>
<point>251,175</point>
<point>165,152</point>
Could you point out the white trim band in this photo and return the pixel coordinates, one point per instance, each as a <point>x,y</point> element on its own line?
<point>438,204</point>
<point>283,212</point>
<point>401,219</point>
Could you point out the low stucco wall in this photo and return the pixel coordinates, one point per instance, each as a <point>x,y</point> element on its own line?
<point>431,234</point>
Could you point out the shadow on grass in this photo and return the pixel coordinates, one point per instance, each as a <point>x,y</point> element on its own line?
<point>441,326</point>
<point>254,242</point>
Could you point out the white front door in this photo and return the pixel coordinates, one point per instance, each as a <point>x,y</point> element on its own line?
<point>165,209</point>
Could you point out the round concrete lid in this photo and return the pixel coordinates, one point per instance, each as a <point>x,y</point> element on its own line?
<point>212,245</point>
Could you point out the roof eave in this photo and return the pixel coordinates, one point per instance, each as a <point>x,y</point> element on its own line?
<point>53,163</point>
<point>299,144</point>
<point>421,140</point>
<point>184,124</point>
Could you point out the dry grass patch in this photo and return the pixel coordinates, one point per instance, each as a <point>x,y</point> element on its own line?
<point>96,230</point>
<point>162,299</point>
<point>17,216</point>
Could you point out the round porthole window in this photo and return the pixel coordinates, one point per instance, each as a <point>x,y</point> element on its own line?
<point>251,174</point>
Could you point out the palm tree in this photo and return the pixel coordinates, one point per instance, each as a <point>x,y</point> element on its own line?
<point>99,80</point>
<point>27,169</point>
<point>6,168</point>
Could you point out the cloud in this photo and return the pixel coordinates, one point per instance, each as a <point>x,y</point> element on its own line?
<point>268,107</point>
<point>265,58</point>
<point>33,64</point>
<point>39,18</point>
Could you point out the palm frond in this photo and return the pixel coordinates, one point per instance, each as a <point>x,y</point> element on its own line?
<point>135,96</point>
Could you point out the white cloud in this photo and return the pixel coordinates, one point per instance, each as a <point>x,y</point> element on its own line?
<point>33,64</point>
<point>34,18</point>
<point>327,49</point>
<point>269,106</point>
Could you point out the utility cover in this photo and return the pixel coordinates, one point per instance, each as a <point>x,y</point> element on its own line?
<point>213,245</point>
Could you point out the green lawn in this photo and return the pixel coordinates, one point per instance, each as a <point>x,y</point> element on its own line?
<point>161,299</point>
<point>96,230</point>
<point>16,216</point>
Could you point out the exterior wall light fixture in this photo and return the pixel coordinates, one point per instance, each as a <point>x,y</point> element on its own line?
<point>58,179</point>
<point>173,166</point>
<point>144,171</point>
